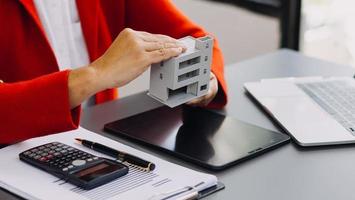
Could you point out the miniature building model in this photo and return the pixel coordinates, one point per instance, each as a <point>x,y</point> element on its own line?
<point>183,78</point>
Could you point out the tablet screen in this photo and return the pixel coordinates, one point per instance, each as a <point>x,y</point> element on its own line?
<point>204,137</point>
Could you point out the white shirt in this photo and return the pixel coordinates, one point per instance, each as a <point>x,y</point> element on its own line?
<point>61,24</point>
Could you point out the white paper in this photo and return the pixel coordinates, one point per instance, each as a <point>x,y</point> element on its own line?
<point>32,183</point>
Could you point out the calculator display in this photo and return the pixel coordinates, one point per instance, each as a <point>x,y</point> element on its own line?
<point>96,171</point>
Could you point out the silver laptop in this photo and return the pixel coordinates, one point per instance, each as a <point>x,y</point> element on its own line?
<point>314,110</point>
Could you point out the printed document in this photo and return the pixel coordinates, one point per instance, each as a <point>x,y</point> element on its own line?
<point>33,183</point>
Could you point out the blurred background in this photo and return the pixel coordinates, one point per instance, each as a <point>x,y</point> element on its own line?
<point>328,30</point>
<point>247,28</point>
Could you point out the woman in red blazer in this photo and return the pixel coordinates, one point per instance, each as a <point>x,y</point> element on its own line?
<point>37,99</point>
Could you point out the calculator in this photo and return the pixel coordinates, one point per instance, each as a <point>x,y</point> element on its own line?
<point>82,169</point>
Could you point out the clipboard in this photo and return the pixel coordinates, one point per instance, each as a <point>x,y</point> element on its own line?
<point>202,194</point>
<point>19,178</point>
<point>211,190</point>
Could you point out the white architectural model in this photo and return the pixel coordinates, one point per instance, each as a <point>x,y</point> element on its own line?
<point>183,78</point>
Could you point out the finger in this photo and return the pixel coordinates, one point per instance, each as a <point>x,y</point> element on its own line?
<point>195,101</point>
<point>148,37</point>
<point>205,100</point>
<point>152,46</point>
<point>164,54</point>
<point>208,98</point>
<point>212,76</point>
<point>168,39</point>
<point>201,101</point>
<point>158,38</point>
<point>144,35</point>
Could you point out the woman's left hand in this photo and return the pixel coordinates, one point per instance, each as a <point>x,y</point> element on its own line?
<point>212,91</point>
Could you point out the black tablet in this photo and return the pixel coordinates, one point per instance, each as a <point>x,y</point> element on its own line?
<point>197,135</point>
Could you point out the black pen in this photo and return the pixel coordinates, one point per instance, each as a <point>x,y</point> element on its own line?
<point>122,156</point>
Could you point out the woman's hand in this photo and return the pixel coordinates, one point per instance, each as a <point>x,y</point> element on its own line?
<point>212,91</point>
<point>130,55</point>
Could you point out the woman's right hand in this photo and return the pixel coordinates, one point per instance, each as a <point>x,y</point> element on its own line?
<point>129,55</point>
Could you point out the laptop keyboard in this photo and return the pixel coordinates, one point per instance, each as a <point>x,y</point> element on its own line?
<point>335,97</point>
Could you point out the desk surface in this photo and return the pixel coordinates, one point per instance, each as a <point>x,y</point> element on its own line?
<point>289,172</point>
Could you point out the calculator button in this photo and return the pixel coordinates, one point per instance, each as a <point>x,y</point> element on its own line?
<point>63,151</point>
<point>34,150</point>
<point>27,153</point>
<point>78,162</point>
<point>70,166</point>
<point>90,159</point>
<point>44,154</point>
<point>57,154</point>
<point>43,159</point>
<point>41,147</point>
<point>37,157</point>
<point>95,158</point>
<point>65,169</point>
<point>32,155</point>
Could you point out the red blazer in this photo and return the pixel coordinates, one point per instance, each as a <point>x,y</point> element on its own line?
<point>34,98</point>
